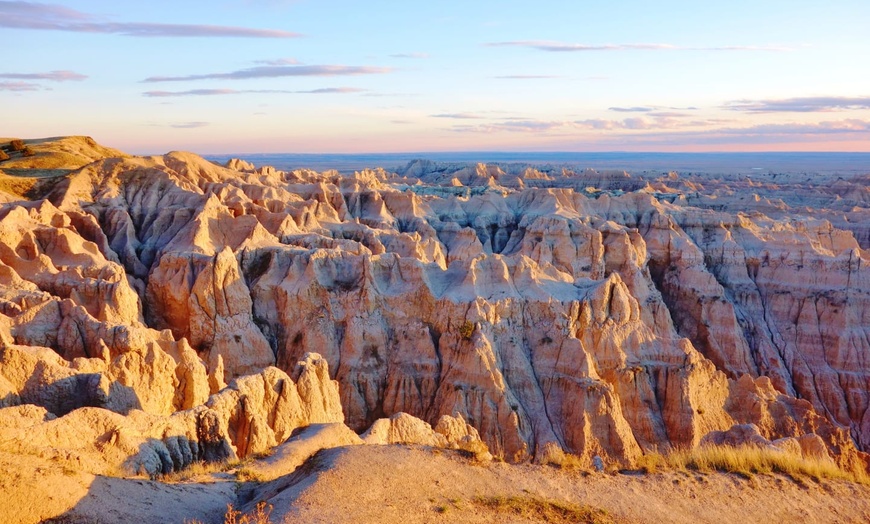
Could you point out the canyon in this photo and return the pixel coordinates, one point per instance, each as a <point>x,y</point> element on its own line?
<point>157,312</point>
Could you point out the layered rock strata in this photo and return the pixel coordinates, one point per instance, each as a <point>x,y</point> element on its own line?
<point>542,309</point>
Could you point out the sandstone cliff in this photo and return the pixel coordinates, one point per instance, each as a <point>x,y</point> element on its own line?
<point>602,313</point>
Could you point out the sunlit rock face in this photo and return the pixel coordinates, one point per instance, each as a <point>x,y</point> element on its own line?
<point>603,312</point>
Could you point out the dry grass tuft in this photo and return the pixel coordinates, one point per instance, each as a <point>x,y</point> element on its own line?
<point>249,475</point>
<point>553,455</point>
<point>260,515</point>
<point>749,460</point>
<point>553,511</point>
<point>572,462</point>
<point>194,470</point>
<point>652,462</point>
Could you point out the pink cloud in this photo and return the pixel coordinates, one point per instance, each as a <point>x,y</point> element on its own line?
<point>218,92</point>
<point>54,76</point>
<point>559,47</point>
<point>53,17</point>
<point>277,72</point>
<point>818,104</point>
<point>19,86</point>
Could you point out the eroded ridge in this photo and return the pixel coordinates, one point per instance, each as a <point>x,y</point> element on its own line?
<point>185,310</point>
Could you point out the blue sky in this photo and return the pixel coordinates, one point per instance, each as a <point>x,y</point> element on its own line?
<point>310,76</point>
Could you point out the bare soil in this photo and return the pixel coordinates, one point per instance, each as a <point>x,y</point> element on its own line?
<point>401,484</point>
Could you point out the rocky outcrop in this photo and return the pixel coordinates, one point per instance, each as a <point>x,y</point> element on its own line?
<point>451,432</point>
<point>809,445</point>
<point>285,458</point>
<point>603,313</point>
<point>205,300</point>
<point>252,415</point>
<point>784,299</point>
<point>262,410</point>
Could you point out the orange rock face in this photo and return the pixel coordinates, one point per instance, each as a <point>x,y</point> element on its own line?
<point>597,312</point>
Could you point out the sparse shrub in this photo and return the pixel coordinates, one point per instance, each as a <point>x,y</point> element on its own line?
<point>553,455</point>
<point>249,475</point>
<point>260,515</point>
<point>651,462</point>
<point>3,155</point>
<point>572,462</point>
<point>27,151</point>
<point>17,145</point>
<point>194,470</point>
<point>466,330</point>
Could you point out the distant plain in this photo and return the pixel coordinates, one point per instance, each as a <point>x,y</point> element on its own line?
<point>820,163</point>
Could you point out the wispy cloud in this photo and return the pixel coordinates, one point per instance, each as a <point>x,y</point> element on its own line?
<point>635,109</point>
<point>658,111</point>
<point>669,133</point>
<point>603,124</point>
<point>458,116</point>
<point>526,77</point>
<point>820,104</point>
<point>54,76</point>
<point>847,126</point>
<point>660,121</point>
<point>218,92</point>
<point>193,92</point>
<point>544,45</point>
<point>188,125</point>
<point>54,17</point>
<point>849,130</point>
<point>410,55</point>
<point>278,62</point>
<point>515,125</point>
<point>389,95</point>
<point>278,72</point>
<point>529,125</point>
<point>19,86</point>
<point>669,114</point>
<point>333,90</point>
<point>634,124</point>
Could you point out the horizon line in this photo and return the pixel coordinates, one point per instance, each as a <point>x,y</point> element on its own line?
<point>501,152</point>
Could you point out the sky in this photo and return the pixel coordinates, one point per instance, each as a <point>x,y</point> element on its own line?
<point>340,76</point>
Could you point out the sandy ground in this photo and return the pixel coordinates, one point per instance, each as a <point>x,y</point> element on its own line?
<point>403,485</point>
<point>400,484</point>
<point>36,490</point>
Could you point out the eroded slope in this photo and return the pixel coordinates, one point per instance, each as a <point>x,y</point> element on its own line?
<point>542,308</point>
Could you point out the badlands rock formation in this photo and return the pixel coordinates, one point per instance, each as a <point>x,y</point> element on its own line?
<point>182,310</point>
